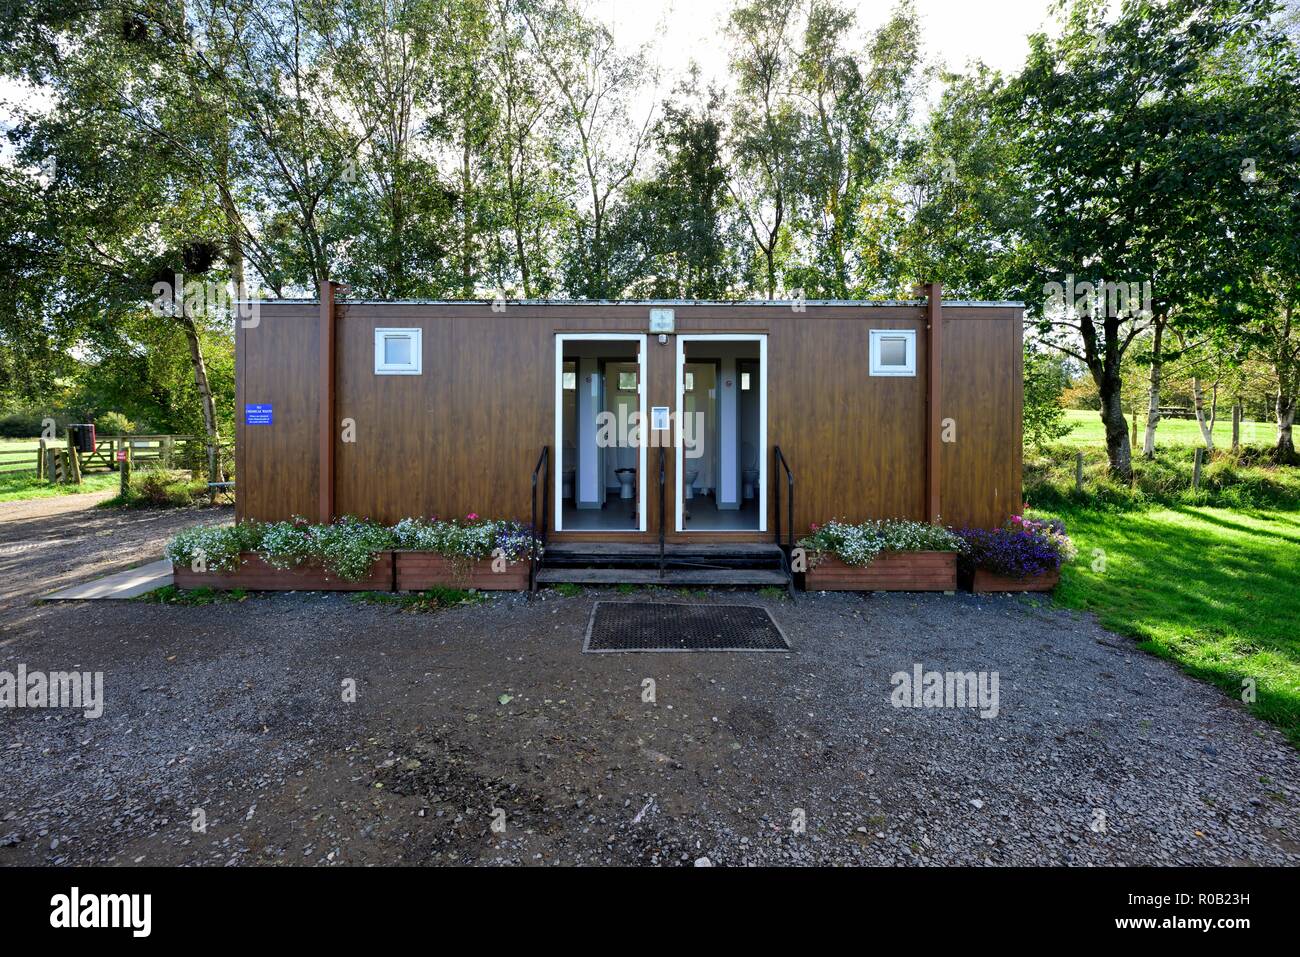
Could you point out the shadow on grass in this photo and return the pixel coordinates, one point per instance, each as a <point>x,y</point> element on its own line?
<point>1215,595</point>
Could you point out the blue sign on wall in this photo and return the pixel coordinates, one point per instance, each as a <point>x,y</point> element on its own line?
<point>257,415</point>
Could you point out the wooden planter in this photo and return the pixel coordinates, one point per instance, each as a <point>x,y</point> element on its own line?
<point>985,581</point>
<point>256,575</point>
<point>417,571</point>
<point>891,571</point>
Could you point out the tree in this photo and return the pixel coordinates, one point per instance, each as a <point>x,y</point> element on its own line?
<point>956,209</point>
<point>1046,379</point>
<point>1102,119</point>
<point>764,125</point>
<point>853,110</point>
<point>597,85</point>
<point>676,235</point>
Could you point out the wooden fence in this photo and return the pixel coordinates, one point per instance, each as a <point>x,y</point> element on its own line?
<point>165,451</point>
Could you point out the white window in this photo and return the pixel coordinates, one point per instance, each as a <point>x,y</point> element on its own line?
<point>893,352</point>
<point>744,382</point>
<point>397,352</point>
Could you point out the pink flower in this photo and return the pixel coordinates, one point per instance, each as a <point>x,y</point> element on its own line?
<point>472,516</point>
<point>813,527</point>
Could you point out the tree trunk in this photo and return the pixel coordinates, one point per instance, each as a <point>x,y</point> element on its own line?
<point>1198,398</point>
<point>205,393</point>
<point>1286,404</point>
<point>1118,451</point>
<point>1153,394</point>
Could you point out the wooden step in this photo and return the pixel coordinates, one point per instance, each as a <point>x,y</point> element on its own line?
<point>671,578</point>
<point>651,549</point>
<point>637,555</point>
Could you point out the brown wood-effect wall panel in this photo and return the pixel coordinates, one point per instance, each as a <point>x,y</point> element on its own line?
<point>276,472</point>
<point>855,442</point>
<point>461,437</point>
<point>465,434</point>
<point>982,392</point>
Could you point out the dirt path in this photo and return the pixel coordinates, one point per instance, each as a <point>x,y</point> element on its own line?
<point>49,543</point>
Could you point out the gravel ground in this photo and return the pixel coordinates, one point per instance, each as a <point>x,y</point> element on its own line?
<point>1099,754</point>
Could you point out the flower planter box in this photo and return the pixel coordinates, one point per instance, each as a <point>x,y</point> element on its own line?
<point>256,575</point>
<point>985,581</point>
<point>417,571</point>
<point>891,571</point>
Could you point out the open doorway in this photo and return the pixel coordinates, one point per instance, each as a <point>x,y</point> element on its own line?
<point>721,460</point>
<point>600,407</point>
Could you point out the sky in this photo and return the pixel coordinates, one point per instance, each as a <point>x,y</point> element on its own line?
<point>954,31</point>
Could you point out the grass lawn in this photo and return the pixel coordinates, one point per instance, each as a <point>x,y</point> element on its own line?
<point>1211,589</point>
<point>1086,429</point>
<point>27,485</point>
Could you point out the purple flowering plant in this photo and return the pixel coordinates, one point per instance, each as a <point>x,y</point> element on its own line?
<point>1022,548</point>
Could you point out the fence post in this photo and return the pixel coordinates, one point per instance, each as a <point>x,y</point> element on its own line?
<point>1078,471</point>
<point>1134,443</point>
<point>124,472</point>
<point>40,460</point>
<point>74,461</point>
<point>1196,470</point>
<point>1236,425</point>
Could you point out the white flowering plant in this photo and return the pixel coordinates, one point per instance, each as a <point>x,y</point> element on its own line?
<point>346,548</point>
<point>860,544</point>
<point>214,547</point>
<point>469,539</point>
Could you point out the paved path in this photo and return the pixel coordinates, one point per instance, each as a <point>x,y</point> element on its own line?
<point>119,586</point>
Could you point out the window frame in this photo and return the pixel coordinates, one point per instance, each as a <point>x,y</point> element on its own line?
<point>415,366</point>
<point>876,368</point>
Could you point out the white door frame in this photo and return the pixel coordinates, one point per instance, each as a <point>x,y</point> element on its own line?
<point>560,339</point>
<point>761,339</point>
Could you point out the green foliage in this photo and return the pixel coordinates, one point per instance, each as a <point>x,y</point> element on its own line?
<point>171,595</point>
<point>25,424</point>
<point>1247,479</point>
<point>159,488</point>
<point>568,589</point>
<point>113,423</point>
<point>1043,418</point>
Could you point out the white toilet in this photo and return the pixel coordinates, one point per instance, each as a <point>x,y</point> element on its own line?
<point>690,475</point>
<point>626,473</point>
<point>749,474</point>
<point>626,483</point>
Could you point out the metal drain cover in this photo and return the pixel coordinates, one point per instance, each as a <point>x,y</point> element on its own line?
<point>662,626</point>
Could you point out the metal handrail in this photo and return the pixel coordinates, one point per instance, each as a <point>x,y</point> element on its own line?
<point>663,506</point>
<point>533,550</point>
<point>782,463</point>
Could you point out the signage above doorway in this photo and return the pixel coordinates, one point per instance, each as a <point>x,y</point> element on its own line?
<point>662,320</point>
